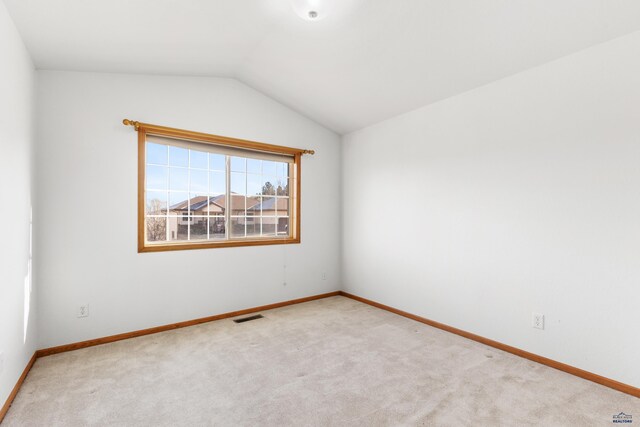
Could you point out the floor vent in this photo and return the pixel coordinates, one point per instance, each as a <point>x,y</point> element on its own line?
<point>246,319</point>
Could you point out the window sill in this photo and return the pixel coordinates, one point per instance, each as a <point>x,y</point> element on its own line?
<point>180,246</point>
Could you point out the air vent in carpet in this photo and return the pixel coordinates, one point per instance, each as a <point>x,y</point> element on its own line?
<point>246,319</point>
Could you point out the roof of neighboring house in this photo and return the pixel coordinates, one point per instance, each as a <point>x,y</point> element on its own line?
<point>272,203</point>
<point>197,205</point>
<point>193,201</point>
<point>236,200</point>
<point>199,202</point>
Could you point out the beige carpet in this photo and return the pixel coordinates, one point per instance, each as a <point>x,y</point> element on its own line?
<point>328,362</point>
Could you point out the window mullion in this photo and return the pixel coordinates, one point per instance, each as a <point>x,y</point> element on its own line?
<point>290,204</point>
<point>189,195</point>
<point>227,197</point>
<point>168,185</point>
<point>208,194</point>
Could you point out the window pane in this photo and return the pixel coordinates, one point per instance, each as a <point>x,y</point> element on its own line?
<point>268,206</point>
<point>157,177</point>
<point>178,227</point>
<point>217,162</point>
<point>198,204</point>
<point>216,227</point>
<point>178,156</point>
<point>199,159</point>
<point>238,204</point>
<point>216,206</point>
<point>254,185</point>
<point>282,170</point>
<point>199,225</point>
<point>253,203</point>
<point>237,227</point>
<point>253,226</point>
<point>269,226</point>
<point>283,226</point>
<point>282,187</point>
<point>178,179</point>
<point>238,183</point>
<point>267,186</point>
<point>156,153</point>
<point>217,183</point>
<point>254,166</point>
<point>156,202</point>
<point>269,168</point>
<point>177,202</point>
<point>282,206</point>
<point>156,229</point>
<point>238,164</point>
<point>199,181</point>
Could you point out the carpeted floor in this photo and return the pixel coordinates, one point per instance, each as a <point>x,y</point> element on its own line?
<point>329,362</point>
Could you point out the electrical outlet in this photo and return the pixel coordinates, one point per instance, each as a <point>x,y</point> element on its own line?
<point>83,310</point>
<point>1,362</point>
<point>323,275</point>
<point>537,320</point>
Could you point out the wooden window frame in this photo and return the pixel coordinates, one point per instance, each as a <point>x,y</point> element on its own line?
<point>295,173</point>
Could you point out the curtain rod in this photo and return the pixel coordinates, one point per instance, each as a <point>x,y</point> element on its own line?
<point>167,131</point>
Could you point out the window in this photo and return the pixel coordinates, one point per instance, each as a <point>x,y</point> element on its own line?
<point>204,191</point>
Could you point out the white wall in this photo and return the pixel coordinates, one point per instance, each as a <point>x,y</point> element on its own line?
<point>86,158</point>
<point>17,302</point>
<point>519,196</point>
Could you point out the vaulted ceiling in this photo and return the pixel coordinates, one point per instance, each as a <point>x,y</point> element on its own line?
<point>365,62</point>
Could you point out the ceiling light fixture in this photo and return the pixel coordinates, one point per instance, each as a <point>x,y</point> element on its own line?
<point>311,10</point>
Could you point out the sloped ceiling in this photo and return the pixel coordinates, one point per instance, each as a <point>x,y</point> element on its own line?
<point>367,61</point>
